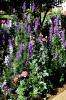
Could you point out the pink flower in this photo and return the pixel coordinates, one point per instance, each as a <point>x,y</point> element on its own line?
<point>24,74</point>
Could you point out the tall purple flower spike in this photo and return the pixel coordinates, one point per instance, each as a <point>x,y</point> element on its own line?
<point>63,35</point>
<point>64,44</point>
<point>18,55</point>
<point>30,49</point>
<point>29,17</point>
<point>40,39</point>
<point>21,47</point>
<point>33,7</point>
<point>28,28</point>
<point>56,29</point>
<point>36,24</point>
<point>3,39</point>
<point>51,32</point>
<point>10,42</point>
<point>26,63</point>
<point>24,7</point>
<point>8,21</point>
<point>50,35</point>
<point>57,20</point>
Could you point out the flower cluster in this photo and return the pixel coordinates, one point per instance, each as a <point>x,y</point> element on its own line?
<point>7,90</point>
<point>24,7</point>
<point>30,49</point>
<point>54,29</point>
<point>33,7</point>
<point>33,62</point>
<point>23,74</point>
<point>19,52</point>
<point>36,24</point>
<point>7,60</point>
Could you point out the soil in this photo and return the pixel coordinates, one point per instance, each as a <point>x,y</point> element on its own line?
<point>57,92</point>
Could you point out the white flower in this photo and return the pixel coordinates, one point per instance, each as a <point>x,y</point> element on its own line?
<point>4,83</point>
<point>7,60</point>
<point>10,49</point>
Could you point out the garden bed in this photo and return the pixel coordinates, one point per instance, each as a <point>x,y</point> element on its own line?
<point>34,57</point>
<point>56,92</point>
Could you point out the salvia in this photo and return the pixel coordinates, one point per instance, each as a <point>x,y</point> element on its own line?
<point>30,49</point>
<point>33,7</point>
<point>24,7</point>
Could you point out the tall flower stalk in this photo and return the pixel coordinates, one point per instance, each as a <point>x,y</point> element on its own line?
<point>36,24</point>
<point>33,7</point>
<point>63,35</point>
<point>24,7</point>
<point>3,39</point>
<point>51,30</point>
<point>30,49</point>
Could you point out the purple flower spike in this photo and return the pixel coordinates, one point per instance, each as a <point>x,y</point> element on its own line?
<point>24,7</point>
<point>36,24</point>
<point>51,32</point>
<point>18,55</point>
<point>35,28</point>
<point>26,63</point>
<point>30,49</point>
<point>29,17</point>
<point>63,35</point>
<point>8,21</point>
<point>57,20</point>
<point>64,44</point>
<point>10,42</point>
<point>40,39</point>
<point>28,28</point>
<point>33,7</point>
<point>3,39</point>
<point>50,35</point>
<point>21,47</point>
<point>51,29</point>
<point>56,29</point>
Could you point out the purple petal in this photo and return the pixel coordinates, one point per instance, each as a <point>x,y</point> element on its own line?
<point>18,55</point>
<point>40,39</point>
<point>30,49</point>
<point>57,20</point>
<point>64,44</point>
<point>24,7</point>
<point>33,7</point>
<point>29,17</point>
<point>56,29</point>
<point>36,24</point>
<point>63,35</point>
<point>28,29</point>
<point>21,47</point>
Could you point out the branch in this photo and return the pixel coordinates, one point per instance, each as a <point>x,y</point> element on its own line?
<point>44,17</point>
